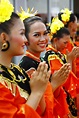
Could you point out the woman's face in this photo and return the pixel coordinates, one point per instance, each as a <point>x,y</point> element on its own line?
<point>37,37</point>
<point>17,38</point>
<point>72,28</point>
<point>61,43</point>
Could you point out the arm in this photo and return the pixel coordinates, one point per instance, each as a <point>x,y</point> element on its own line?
<point>59,77</point>
<point>14,106</point>
<point>38,84</point>
<point>71,56</point>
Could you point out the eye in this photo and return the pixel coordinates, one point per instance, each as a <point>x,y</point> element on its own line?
<point>36,35</point>
<point>22,33</point>
<point>46,33</point>
<point>65,42</point>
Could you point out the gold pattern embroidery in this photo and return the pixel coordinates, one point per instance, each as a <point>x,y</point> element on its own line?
<point>13,87</point>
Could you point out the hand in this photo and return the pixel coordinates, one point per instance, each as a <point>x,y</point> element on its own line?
<point>60,76</point>
<point>40,78</point>
<point>73,54</point>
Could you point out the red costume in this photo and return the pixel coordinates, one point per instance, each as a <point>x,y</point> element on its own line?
<point>30,63</point>
<point>55,60</point>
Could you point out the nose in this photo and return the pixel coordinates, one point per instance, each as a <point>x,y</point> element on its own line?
<point>25,40</point>
<point>42,38</point>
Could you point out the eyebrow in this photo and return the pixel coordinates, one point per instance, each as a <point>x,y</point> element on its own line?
<point>39,31</point>
<point>22,30</point>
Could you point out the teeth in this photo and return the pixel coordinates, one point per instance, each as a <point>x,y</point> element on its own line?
<point>41,44</point>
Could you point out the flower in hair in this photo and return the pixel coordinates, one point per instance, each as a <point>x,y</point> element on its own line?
<point>65,14</point>
<point>29,13</point>
<point>56,25</point>
<point>6,9</point>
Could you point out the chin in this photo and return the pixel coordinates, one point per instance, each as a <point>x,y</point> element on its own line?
<point>20,53</point>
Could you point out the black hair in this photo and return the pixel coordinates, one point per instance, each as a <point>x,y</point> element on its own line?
<point>7,25</point>
<point>60,33</point>
<point>72,18</point>
<point>28,22</point>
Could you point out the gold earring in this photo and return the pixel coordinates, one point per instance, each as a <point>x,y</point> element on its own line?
<point>5,46</point>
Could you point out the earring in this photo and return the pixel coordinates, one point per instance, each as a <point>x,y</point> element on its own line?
<point>27,43</point>
<point>5,46</point>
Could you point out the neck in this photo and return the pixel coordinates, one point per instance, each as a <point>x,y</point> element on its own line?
<point>73,39</point>
<point>5,59</point>
<point>54,46</point>
<point>35,53</point>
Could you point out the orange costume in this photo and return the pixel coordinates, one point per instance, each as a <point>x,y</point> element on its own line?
<point>13,98</point>
<point>30,63</point>
<point>55,60</point>
<point>69,47</point>
<point>14,106</point>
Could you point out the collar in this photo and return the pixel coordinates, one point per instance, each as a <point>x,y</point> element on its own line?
<point>31,55</point>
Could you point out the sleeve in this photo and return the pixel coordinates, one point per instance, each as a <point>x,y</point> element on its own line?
<point>25,63</point>
<point>49,99</point>
<point>14,106</point>
<point>78,99</point>
<point>71,84</point>
<point>77,67</point>
<point>54,62</point>
<point>60,104</point>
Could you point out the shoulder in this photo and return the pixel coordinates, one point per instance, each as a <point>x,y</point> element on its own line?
<point>48,53</point>
<point>27,62</point>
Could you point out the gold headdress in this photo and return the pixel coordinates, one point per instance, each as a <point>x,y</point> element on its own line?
<point>56,25</point>
<point>6,9</point>
<point>65,15</point>
<point>29,13</point>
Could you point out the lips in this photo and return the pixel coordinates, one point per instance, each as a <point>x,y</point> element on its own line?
<point>42,45</point>
<point>23,46</point>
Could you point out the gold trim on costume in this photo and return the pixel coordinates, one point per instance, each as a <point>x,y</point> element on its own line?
<point>13,87</point>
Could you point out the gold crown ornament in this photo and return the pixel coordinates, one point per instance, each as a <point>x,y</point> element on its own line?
<point>29,13</point>
<point>6,9</point>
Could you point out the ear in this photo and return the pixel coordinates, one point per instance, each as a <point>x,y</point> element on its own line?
<point>27,43</point>
<point>3,37</point>
<point>55,40</point>
<point>70,24</point>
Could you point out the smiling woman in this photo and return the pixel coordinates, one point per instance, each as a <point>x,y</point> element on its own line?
<point>37,40</point>
<point>19,98</point>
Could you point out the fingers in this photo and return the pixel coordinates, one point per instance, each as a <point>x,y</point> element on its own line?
<point>40,78</point>
<point>41,66</point>
<point>65,69</point>
<point>42,72</point>
<point>64,73</point>
<point>75,51</point>
<point>60,76</point>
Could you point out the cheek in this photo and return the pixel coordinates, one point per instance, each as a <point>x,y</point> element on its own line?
<point>47,39</point>
<point>61,45</point>
<point>17,40</point>
<point>32,41</point>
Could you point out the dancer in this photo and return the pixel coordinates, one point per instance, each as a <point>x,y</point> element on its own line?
<point>37,36</point>
<point>59,38</point>
<point>19,96</point>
